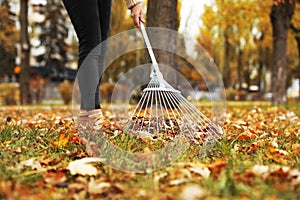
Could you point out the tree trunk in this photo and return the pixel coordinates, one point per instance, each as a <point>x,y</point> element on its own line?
<point>240,68</point>
<point>281,15</point>
<point>262,63</point>
<point>25,53</point>
<point>298,41</point>
<point>164,14</point>
<point>260,79</point>
<point>226,68</point>
<point>297,37</point>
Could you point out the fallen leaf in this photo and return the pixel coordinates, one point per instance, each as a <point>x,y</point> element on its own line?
<point>97,186</point>
<point>247,135</point>
<point>261,170</point>
<point>203,171</point>
<point>79,184</point>
<point>33,163</point>
<point>53,178</point>
<point>217,166</point>
<point>177,182</point>
<point>62,140</point>
<point>193,192</point>
<point>295,176</point>
<point>84,166</point>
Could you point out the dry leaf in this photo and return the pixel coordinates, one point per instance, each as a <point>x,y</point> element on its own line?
<point>84,166</point>
<point>62,140</point>
<point>295,176</point>
<point>261,170</point>
<point>247,135</point>
<point>97,186</point>
<point>177,181</point>
<point>54,177</point>
<point>192,192</point>
<point>33,163</point>
<point>203,171</point>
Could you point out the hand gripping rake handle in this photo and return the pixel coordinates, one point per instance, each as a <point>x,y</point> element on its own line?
<point>150,50</point>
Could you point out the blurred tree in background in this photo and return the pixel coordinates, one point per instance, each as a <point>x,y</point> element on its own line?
<point>229,32</point>
<point>295,26</point>
<point>53,34</point>
<point>25,53</point>
<point>8,39</point>
<point>281,14</point>
<point>238,35</point>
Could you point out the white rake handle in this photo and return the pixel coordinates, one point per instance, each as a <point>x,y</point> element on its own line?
<point>150,50</point>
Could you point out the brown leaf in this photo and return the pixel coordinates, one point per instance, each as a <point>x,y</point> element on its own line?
<point>246,136</point>
<point>54,177</point>
<point>217,166</point>
<point>97,186</point>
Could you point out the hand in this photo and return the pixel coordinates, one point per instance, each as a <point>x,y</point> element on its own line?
<point>137,14</point>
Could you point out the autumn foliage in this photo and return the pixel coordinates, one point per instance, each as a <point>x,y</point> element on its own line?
<point>258,157</point>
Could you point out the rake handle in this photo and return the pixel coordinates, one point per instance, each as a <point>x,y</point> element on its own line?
<point>150,50</point>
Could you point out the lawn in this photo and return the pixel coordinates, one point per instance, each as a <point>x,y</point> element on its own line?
<point>257,158</point>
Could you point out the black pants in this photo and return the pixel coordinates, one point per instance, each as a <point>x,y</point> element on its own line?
<point>91,19</point>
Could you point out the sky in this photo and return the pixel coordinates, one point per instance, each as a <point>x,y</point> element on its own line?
<point>191,11</point>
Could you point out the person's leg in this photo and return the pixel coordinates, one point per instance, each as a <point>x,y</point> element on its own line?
<point>85,18</point>
<point>105,14</point>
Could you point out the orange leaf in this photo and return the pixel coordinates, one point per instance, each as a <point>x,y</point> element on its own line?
<point>62,141</point>
<point>272,149</point>
<point>296,150</point>
<point>217,166</point>
<point>246,136</point>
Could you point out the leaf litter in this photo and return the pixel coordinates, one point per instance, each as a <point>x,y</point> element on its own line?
<point>258,157</point>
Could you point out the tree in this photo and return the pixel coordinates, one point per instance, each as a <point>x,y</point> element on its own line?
<point>53,35</point>
<point>263,42</point>
<point>296,33</point>
<point>25,53</point>
<point>281,14</point>
<point>230,24</point>
<point>8,37</point>
<point>164,14</point>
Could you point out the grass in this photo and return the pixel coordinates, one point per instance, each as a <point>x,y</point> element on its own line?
<point>230,162</point>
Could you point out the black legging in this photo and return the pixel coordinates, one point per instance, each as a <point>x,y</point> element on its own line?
<point>91,19</point>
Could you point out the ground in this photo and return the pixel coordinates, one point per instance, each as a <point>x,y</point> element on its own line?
<point>257,158</point>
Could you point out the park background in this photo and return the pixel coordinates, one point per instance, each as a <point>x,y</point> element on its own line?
<point>238,35</point>
<point>255,45</point>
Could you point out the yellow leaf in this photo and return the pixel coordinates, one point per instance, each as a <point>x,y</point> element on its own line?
<point>8,142</point>
<point>62,140</point>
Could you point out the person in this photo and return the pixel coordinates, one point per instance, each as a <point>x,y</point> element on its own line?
<point>91,20</point>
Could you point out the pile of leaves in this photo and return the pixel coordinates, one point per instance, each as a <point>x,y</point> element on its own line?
<point>43,157</point>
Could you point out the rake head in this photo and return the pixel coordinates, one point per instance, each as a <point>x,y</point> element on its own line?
<point>163,112</point>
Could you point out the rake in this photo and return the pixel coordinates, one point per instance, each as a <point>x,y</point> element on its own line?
<point>163,112</point>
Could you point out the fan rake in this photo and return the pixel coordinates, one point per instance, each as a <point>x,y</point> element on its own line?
<point>163,112</point>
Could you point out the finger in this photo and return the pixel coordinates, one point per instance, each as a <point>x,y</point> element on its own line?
<point>142,18</point>
<point>133,16</point>
<point>137,21</point>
